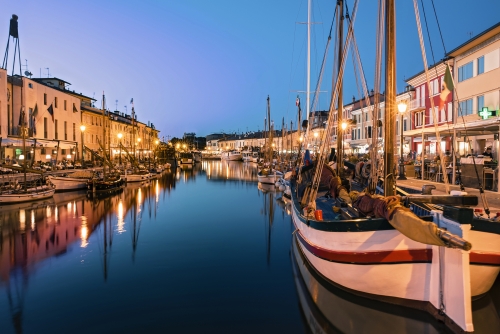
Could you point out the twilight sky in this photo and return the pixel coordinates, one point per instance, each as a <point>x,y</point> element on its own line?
<point>207,66</point>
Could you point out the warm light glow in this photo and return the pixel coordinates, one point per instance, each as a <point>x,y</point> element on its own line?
<point>84,233</point>
<point>402,107</point>
<point>120,135</point>
<point>121,222</point>
<point>301,138</point>
<point>82,128</point>
<point>139,140</point>
<point>47,157</point>
<point>178,145</point>
<point>68,156</point>
<point>344,125</point>
<point>315,135</point>
<point>157,141</point>
<point>21,157</point>
<point>22,219</point>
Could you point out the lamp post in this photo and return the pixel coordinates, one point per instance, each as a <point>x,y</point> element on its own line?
<point>139,142</point>
<point>402,109</point>
<point>120,135</point>
<point>82,130</point>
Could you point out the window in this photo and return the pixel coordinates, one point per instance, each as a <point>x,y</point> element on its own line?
<point>450,113</point>
<point>65,104</point>
<point>44,99</point>
<point>55,102</point>
<point>65,130</point>
<point>465,108</point>
<point>45,127</point>
<point>369,131</point>
<point>30,85</point>
<point>431,117</point>
<point>480,65</point>
<point>480,103</point>
<point>404,125</point>
<point>359,134</point>
<point>55,129</point>
<point>465,72</point>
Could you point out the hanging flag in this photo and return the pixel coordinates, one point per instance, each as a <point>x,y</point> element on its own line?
<point>74,108</point>
<point>447,88</point>
<point>35,112</point>
<point>297,103</point>
<point>131,100</point>
<point>51,112</point>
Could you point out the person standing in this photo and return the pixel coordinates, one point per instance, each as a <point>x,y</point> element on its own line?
<point>488,152</point>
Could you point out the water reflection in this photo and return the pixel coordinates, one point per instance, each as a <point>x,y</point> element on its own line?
<point>222,170</point>
<point>67,218</point>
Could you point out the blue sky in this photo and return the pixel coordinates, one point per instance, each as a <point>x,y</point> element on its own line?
<point>207,66</point>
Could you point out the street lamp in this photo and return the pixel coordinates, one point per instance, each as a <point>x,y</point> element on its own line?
<point>82,130</point>
<point>402,109</point>
<point>120,135</point>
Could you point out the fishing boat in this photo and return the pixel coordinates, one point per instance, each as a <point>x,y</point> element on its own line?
<point>110,180</point>
<point>72,181</point>
<point>255,157</point>
<point>186,158</point>
<point>268,174</point>
<point>196,156</point>
<point>231,155</point>
<point>246,156</point>
<point>375,246</point>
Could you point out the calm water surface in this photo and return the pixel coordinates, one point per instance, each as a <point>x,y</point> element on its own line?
<point>201,249</point>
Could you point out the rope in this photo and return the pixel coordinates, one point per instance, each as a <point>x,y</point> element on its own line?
<point>325,144</point>
<point>433,109</point>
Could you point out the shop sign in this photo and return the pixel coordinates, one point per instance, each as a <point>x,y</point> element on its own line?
<point>485,113</point>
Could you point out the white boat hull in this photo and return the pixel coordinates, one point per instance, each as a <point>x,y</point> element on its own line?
<point>385,263</point>
<point>9,198</point>
<point>270,178</point>
<point>231,156</point>
<point>68,183</point>
<point>136,177</point>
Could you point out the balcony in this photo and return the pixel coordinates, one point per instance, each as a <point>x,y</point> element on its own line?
<point>417,105</point>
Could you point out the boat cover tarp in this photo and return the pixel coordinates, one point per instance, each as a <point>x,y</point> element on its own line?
<point>401,218</point>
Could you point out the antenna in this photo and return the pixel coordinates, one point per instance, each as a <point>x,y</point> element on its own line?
<point>125,109</point>
<point>28,73</point>
<point>116,104</point>
<point>48,72</point>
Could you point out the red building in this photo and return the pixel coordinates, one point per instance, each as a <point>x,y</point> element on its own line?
<point>423,119</point>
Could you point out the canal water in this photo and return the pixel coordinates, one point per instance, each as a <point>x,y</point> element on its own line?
<point>202,249</point>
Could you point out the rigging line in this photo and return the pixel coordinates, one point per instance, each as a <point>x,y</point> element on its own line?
<point>428,34</point>
<point>291,62</point>
<point>439,27</point>
<point>433,108</point>
<point>325,144</point>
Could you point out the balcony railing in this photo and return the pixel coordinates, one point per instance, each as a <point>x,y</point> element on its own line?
<point>417,104</point>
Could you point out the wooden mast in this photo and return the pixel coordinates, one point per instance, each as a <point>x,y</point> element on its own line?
<point>340,107</point>
<point>104,136</point>
<point>390,97</point>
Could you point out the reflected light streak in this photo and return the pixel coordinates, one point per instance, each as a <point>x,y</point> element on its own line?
<point>22,220</point>
<point>139,196</point>
<point>84,233</point>
<point>56,213</point>
<point>121,223</point>
<point>157,191</point>
<point>32,220</point>
<point>48,212</point>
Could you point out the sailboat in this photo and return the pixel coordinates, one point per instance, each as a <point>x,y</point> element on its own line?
<point>34,190</point>
<point>268,174</point>
<point>110,181</point>
<point>375,246</point>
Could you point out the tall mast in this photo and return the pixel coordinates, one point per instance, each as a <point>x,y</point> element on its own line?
<point>270,148</point>
<point>133,126</point>
<point>340,107</point>
<point>308,58</point>
<point>390,97</point>
<point>104,135</point>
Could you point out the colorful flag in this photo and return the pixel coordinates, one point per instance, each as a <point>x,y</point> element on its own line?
<point>131,100</point>
<point>51,112</point>
<point>297,102</point>
<point>446,89</point>
<point>35,112</point>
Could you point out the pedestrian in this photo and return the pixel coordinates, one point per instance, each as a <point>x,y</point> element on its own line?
<point>7,160</point>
